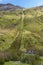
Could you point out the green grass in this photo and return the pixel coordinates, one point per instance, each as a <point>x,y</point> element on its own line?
<point>6,38</point>
<point>34,24</point>
<point>8,21</point>
<point>15,63</point>
<point>11,21</point>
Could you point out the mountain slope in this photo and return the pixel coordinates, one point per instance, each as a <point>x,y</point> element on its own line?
<point>35,11</point>
<point>6,7</point>
<point>27,22</point>
<point>21,33</point>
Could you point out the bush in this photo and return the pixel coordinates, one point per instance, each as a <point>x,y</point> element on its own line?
<point>30,59</point>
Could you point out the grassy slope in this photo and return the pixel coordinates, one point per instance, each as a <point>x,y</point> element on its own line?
<point>8,31</point>
<point>20,33</point>
<point>33,27</point>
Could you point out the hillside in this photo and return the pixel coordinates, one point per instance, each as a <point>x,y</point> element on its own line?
<point>31,24</point>
<point>21,30</point>
<point>6,7</point>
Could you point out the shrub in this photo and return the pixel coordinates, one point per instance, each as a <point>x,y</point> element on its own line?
<point>30,59</point>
